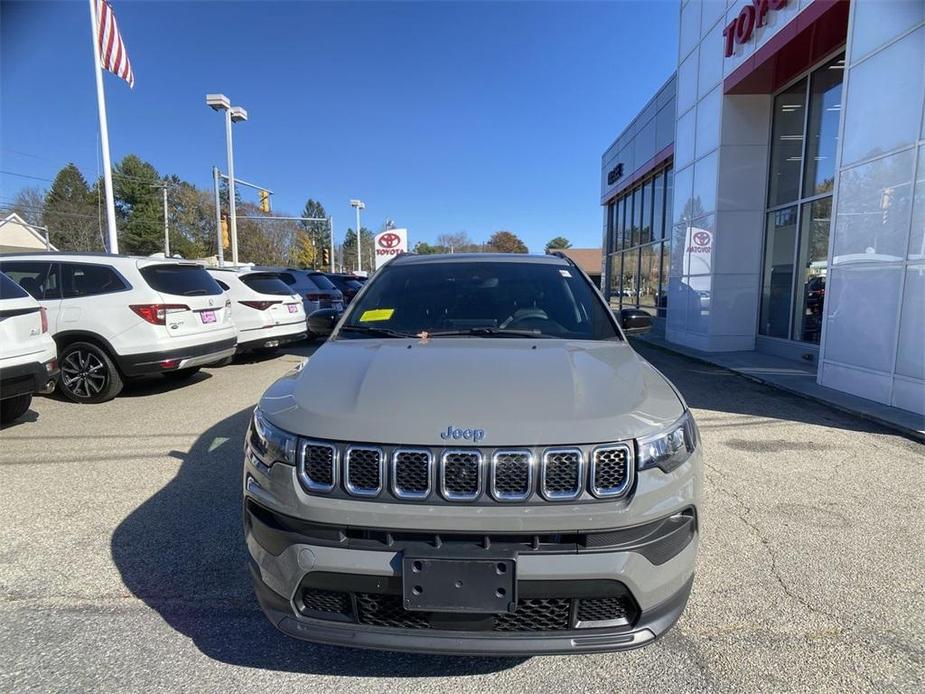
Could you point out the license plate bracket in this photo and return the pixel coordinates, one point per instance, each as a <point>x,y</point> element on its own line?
<point>459,585</point>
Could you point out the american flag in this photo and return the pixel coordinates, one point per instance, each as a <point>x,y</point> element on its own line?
<point>113,56</point>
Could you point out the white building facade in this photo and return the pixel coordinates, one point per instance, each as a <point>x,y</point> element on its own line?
<point>787,212</point>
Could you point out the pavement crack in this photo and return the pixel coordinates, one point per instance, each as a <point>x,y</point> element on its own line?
<point>765,542</point>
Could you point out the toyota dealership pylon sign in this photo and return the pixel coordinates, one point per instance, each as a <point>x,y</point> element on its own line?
<point>390,243</point>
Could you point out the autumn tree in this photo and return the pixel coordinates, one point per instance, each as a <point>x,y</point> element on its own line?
<point>558,243</point>
<point>506,242</point>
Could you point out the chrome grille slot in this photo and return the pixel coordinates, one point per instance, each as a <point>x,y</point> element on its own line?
<point>610,470</point>
<point>511,475</point>
<point>562,473</point>
<point>318,465</point>
<point>363,470</point>
<point>461,475</point>
<point>411,473</point>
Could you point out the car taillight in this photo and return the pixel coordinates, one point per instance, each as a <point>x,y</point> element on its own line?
<point>259,305</point>
<point>44,314</point>
<point>156,314</point>
<point>316,297</point>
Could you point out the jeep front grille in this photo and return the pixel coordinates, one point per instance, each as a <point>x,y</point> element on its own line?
<point>363,470</point>
<point>318,466</point>
<point>511,475</point>
<point>478,475</point>
<point>411,473</point>
<point>461,475</point>
<point>610,470</point>
<point>563,470</point>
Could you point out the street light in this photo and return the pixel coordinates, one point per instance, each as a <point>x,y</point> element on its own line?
<point>233,114</point>
<point>359,205</point>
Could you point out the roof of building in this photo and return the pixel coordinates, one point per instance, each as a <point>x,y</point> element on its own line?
<point>18,235</point>
<point>588,259</point>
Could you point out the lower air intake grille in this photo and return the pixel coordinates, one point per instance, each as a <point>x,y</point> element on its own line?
<point>364,471</point>
<point>388,611</point>
<point>609,470</point>
<point>536,614</point>
<point>603,610</point>
<point>562,472</point>
<point>326,601</point>
<point>462,475</point>
<point>317,463</point>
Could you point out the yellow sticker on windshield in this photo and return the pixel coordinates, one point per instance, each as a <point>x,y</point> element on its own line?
<point>376,314</point>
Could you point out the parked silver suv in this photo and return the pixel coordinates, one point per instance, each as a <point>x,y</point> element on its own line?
<point>476,461</point>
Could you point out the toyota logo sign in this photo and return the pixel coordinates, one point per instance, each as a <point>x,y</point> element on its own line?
<point>389,240</point>
<point>390,243</point>
<point>702,238</point>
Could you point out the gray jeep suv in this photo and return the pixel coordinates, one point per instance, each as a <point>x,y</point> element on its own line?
<point>476,461</point>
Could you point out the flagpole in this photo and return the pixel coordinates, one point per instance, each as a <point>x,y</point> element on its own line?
<point>104,131</point>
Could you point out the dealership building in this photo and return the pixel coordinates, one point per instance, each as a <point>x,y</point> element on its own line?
<point>770,197</point>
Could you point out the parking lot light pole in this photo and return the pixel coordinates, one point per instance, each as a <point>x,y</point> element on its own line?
<point>233,114</point>
<point>359,205</point>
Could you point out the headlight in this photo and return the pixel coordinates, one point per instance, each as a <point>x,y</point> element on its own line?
<point>669,449</point>
<point>272,443</point>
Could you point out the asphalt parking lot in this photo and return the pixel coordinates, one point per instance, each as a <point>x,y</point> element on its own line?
<point>122,565</point>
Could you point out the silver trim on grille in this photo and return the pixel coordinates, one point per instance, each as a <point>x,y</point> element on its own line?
<point>396,490</point>
<point>456,496</point>
<point>508,496</point>
<point>556,495</point>
<point>303,475</point>
<point>609,493</point>
<point>363,491</point>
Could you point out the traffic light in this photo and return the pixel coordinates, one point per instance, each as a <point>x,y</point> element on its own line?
<point>325,256</point>
<point>226,240</point>
<point>264,201</point>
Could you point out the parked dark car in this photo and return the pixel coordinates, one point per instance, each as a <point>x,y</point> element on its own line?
<point>348,285</point>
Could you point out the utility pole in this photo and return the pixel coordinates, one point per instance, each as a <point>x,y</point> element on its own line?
<point>331,226</point>
<point>218,220</point>
<point>166,226</point>
<point>359,205</point>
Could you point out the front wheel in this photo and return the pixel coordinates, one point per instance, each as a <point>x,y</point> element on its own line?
<point>88,375</point>
<point>15,407</point>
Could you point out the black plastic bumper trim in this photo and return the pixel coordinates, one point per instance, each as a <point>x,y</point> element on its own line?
<point>149,362</point>
<point>25,378</point>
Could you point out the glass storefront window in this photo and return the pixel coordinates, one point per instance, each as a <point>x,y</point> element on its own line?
<point>650,256</point>
<point>637,217</point>
<point>777,285</point>
<point>787,145</point>
<point>658,207</point>
<point>618,226</point>
<point>630,287</point>
<point>645,227</point>
<point>615,279</point>
<point>661,300</point>
<point>822,129</point>
<point>811,270</point>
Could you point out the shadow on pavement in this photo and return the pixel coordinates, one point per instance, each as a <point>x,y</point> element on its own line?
<point>708,387</point>
<point>182,552</point>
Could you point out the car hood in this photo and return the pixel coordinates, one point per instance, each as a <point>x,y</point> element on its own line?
<point>519,392</point>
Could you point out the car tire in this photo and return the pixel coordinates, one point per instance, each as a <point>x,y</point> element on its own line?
<point>182,374</point>
<point>15,407</point>
<point>88,375</point>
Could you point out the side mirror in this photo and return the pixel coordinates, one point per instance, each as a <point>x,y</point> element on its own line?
<point>322,322</point>
<point>635,322</point>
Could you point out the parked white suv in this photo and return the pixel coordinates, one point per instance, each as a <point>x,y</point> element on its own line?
<point>115,317</point>
<point>265,311</point>
<point>27,352</point>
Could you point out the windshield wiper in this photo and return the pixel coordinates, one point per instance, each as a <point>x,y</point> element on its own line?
<point>370,330</point>
<point>490,332</point>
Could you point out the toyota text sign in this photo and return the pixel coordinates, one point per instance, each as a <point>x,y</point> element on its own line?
<point>390,243</point>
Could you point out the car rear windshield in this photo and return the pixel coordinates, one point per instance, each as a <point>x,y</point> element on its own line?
<point>481,298</point>
<point>321,281</point>
<point>181,280</point>
<point>10,290</point>
<point>266,283</point>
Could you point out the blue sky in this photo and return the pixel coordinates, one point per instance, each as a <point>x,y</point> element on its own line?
<point>442,116</point>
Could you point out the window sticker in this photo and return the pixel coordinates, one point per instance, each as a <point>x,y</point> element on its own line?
<point>376,314</point>
<point>565,273</point>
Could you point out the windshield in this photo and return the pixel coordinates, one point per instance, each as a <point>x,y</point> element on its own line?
<point>480,299</point>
